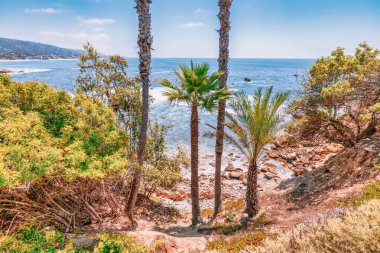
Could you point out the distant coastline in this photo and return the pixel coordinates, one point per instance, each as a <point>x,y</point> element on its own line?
<point>35,59</point>
<point>12,49</point>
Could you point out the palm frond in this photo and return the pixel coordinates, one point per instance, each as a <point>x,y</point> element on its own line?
<point>196,86</point>
<point>255,122</point>
<point>233,141</point>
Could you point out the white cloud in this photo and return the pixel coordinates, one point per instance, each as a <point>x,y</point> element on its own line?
<point>97,21</point>
<point>191,25</point>
<point>77,35</point>
<point>199,11</point>
<point>99,37</point>
<point>99,29</point>
<point>43,10</point>
<point>51,33</point>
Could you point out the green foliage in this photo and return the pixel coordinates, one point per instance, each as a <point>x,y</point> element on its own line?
<point>229,216</point>
<point>106,80</point>
<point>370,192</point>
<point>197,88</point>
<point>162,170</point>
<point>32,240</point>
<point>338,96</point>
<point>254,122</point>
<point>228,229</point>
<point>54,107</point>
<point>237,243</point>
<point>118,243</point>
<point>44,132</point>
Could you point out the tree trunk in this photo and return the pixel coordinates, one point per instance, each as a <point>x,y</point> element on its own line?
<point>195,209</point>
<point>252,200</point>
<point>224,18</point>
<point>145,41</point>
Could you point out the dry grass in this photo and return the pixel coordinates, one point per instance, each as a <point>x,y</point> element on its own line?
<point>357,231</point>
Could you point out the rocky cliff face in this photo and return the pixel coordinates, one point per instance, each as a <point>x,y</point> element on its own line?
<point>352,166</point>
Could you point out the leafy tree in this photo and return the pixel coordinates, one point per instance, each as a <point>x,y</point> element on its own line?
<point>254,123</point>
<point>107,80</point>
<point>340,97</point>
<point>224,18</point>
<point>199,90</point>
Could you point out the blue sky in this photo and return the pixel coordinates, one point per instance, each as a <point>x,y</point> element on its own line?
<point>187,28</point>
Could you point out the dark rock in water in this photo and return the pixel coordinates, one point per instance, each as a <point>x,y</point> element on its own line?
<point>5,71</point>
<point>247,79</point>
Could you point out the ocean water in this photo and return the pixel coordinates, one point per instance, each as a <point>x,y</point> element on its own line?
<point>264,73</point>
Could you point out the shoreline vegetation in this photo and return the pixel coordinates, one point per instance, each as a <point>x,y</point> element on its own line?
<point>290,162</point>
<point>90,171</point>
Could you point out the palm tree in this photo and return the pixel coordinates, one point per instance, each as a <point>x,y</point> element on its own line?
<point>224,19</point>
<point>198,90</point>
<point>144,42</point>
<point>254,123</point>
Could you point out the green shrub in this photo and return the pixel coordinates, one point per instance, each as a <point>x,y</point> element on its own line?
<point>32,240</point>
<point>369,192</point>
<point>118,243</point>
<point>43,131</point>
<point>237,243</point>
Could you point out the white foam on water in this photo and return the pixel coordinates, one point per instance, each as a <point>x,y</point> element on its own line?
<point>19,71</point>
<point>157,94</point>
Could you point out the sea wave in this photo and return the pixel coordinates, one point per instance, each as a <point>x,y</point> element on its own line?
<point>20,71</point>
<point>157,94</point>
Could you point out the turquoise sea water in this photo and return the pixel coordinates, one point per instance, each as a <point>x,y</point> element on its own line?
<point>278,73</point>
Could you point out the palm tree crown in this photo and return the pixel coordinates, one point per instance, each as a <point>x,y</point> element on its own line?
<point>196,88</point>
<point>255,121</point>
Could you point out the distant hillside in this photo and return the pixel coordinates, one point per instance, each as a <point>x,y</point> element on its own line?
<point>11,49</point>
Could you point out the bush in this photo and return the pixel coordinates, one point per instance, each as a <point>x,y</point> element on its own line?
<point>370,192</point>
<point>118,243</point>
<point>33,240</point>
<point>357,231</point>
<point>43,132</point>
<point>56,152</point>
<point>237,243</point>
<point>340,97</point>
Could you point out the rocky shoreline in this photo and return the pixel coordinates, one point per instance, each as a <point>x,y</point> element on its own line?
<point>282,160</point>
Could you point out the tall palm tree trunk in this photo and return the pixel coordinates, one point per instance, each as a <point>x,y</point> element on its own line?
<point>224,18</point>
<point>252,201</point>
<point>195,208</point>
<point>145,41</point>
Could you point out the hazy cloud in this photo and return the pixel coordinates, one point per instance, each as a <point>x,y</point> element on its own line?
<point>199,11</point>
<point>43,10</point>
<point>51,33</point>
<point>97,21</point>
<point>191,25</point>
<point>77,35</point>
